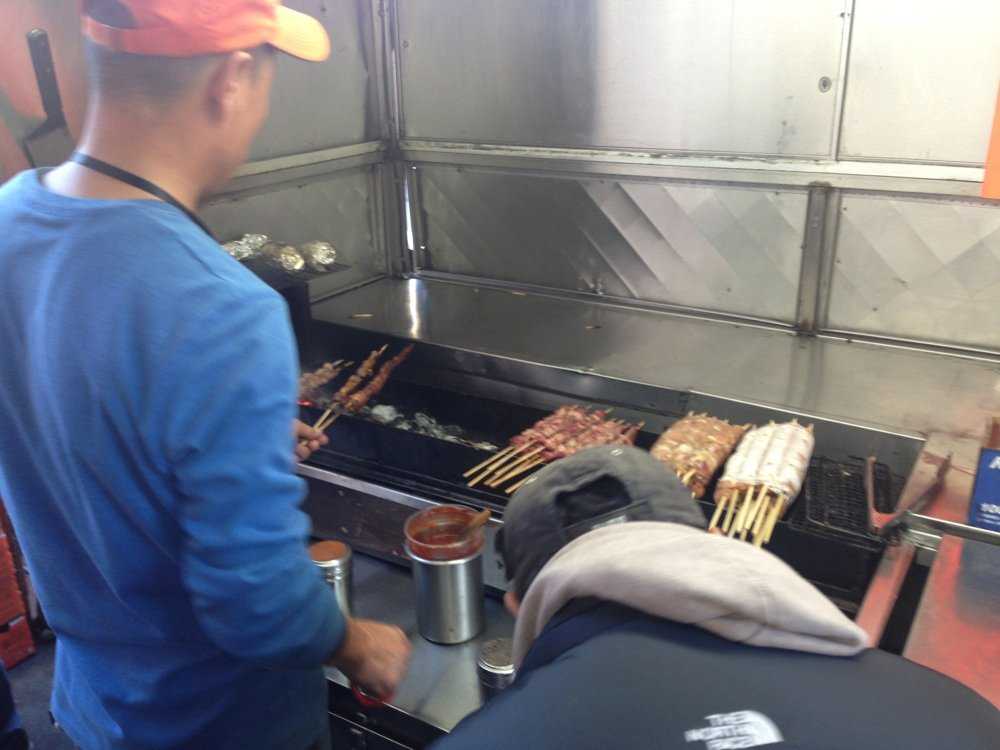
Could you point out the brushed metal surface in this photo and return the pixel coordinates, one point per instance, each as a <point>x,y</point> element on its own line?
<point>919,269</point>
<point>855,175</point>
<point>738,76</point>
<point>715,247</point>
<point>922,81</point>
<point>871,385</point>
<point>336,209</point>
<point>334,103</point>
<point>955,628</point>
<point>441,686</point>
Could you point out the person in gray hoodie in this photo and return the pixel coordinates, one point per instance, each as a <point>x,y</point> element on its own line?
<point>636,628</point>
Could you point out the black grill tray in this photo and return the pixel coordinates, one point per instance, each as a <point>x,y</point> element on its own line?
<point>824,535</point>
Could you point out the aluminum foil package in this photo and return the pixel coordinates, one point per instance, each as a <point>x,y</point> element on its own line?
<point>255,241</point>
<point>319,256</point>
<point>285,257</point>
<point>247,246</point>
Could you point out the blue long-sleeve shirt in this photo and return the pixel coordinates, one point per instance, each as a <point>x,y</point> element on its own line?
<point>147,385</point>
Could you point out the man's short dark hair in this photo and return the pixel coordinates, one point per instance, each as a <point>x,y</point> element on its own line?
<point>153,77</point>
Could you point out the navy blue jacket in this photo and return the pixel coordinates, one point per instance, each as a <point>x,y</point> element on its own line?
<point>603,677</point>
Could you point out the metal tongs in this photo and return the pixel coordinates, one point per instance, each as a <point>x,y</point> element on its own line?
<point>889,525</point>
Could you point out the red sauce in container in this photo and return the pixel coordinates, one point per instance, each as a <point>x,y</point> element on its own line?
<point>439,533</point>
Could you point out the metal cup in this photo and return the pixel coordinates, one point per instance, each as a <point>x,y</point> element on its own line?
<point>449,597</point>
<point>334,560</point>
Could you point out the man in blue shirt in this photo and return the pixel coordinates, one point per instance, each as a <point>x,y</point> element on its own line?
<point>147,397</point>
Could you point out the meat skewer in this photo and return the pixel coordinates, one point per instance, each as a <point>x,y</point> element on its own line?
<point>364,370</point>
<point>310,382</point>
<point>357,400</point>
<point>696,446</point>
<point>565,418</point>
<point>567,430</point>
<point>767,469</point>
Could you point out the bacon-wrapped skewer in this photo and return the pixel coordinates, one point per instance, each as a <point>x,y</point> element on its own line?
<point>696,446</point>
<point>761,479</point>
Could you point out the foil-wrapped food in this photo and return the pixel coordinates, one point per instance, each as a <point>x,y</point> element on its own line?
<point>247,246</point>
<point>319,256</point>
<point>284,257</point>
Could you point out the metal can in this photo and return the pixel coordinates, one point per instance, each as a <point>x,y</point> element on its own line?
<point>334,560</point>
<point>495,666</point>
<point>447,573</point>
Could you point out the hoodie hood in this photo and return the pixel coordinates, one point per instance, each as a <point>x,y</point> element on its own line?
<point>679,573</point>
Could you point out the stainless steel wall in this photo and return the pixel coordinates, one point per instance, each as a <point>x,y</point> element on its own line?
<point>716,247</point>
<point>333,103</point>
<point>338,209</point>
<point>736,76</point>
<point>528,122</point>
<point>922,80</point>
<point>315,108</point>
<point>918,269</point>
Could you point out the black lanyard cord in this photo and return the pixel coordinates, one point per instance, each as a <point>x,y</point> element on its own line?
<point>123,175</point>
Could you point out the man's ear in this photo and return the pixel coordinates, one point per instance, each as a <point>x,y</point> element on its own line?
<point>229,82</point>
<point>512,603</point>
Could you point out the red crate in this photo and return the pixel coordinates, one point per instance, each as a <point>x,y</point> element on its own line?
<point>16,643</point>
<point>11,599</point>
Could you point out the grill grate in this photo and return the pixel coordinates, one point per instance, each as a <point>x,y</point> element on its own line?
<point>834,498</point>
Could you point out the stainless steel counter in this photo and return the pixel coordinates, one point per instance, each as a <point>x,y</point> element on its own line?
<point>890,388</point>
<point>956,627</point>
<point>442,686</point>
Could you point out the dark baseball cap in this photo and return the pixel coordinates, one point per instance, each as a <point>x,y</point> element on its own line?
<point>593,488</point>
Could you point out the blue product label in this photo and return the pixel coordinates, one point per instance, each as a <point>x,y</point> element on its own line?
<point>984,511</point>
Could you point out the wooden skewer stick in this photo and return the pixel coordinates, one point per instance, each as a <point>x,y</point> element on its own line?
<point>512,471</point>
<point>719,507</point>
<point>758,524</point>
<point>742,515</point>
<point>755,509</point>
<point>734,498</point>
<point>768,527</point>
<point>492,459</point>
<point>779,508</point>
<point>520,483</point>
<point>499,466</point>
<point>333,404</point>
<point>526,467</point>
<point>516,458</point>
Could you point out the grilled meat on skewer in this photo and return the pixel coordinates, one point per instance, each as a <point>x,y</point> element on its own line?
<point>695,448</point>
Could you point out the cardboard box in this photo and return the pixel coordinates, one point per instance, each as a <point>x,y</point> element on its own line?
<point>984,510</point>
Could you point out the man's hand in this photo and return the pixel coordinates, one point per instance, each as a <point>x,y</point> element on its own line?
<point>307,440</point>
<point>374,656</point>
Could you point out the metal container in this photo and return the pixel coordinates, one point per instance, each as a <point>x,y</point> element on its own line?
<point>449,597</point>
<point>495,666</point>
<point>334,560</point>
<point>447,573</point>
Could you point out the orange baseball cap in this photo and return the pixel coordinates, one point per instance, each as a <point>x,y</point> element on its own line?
<point>186,28</point>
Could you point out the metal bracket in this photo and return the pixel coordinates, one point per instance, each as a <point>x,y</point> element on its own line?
<point>813,247</point>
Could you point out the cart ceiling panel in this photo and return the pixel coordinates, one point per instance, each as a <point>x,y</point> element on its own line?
<point>918,268</point>
<point>337,210</point>
<point>730,249</point>
<point>736,76</point>
<point>333,103</point>
<point>922,80</point>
